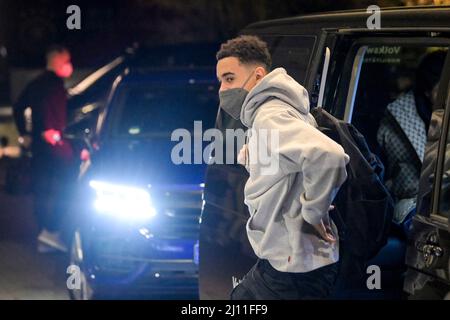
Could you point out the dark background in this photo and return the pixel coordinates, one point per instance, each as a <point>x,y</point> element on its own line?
<point>28,27</point>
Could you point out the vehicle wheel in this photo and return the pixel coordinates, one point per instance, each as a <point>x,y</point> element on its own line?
<point>85,291</point>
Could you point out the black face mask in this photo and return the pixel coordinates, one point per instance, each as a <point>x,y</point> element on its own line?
<point>231,100</point>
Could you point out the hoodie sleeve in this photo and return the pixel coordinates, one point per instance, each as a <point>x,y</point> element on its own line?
<point>303,148</point>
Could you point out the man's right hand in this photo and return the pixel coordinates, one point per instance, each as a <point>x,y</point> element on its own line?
<point>52,136</point>
<point>242,156</point>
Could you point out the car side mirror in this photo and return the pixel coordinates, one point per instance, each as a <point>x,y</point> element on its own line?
<point>77,130</point>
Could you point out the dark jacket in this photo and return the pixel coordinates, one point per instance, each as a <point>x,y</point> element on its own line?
<point>47,98</point>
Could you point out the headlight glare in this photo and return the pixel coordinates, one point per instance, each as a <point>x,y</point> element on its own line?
<point>122,201</point>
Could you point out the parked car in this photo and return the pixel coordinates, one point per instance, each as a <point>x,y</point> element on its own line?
<point>354,73</point>
<point>136,213</point>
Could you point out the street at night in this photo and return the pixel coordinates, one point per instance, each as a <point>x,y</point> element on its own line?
<point>25,273</point>
<point>224,150</point>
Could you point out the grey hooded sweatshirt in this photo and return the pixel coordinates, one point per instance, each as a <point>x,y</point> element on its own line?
<point>284,203</point>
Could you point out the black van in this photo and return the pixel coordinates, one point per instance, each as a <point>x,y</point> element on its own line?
<point>354,72</point>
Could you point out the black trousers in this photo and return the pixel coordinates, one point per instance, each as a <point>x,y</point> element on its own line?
<point>52,183</point>
<point>263,282</point>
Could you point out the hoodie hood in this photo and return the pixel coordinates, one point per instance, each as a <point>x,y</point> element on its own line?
<point>275,85</point>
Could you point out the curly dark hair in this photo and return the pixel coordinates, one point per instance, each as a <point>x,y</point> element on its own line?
<point>248,49</point>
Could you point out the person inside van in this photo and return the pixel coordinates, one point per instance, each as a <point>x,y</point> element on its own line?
<point>289,227</point>
<point>402,136</point>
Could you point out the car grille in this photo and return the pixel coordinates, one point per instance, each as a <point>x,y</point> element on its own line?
<point>129,254</point>
<point>179,213</point>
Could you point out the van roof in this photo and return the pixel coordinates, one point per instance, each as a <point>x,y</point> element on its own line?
<point>392,17</point>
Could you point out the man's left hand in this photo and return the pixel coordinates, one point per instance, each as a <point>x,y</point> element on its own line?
<point>325,231</point>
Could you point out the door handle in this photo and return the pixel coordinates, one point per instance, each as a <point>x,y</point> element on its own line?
<point>430,249</point>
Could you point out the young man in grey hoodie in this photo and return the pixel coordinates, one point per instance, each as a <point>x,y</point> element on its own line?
<point>289,226</point>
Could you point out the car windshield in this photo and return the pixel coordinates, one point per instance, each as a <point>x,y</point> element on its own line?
<point>150,110</point>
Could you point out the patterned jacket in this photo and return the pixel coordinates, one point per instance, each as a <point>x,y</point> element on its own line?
<point>402,137</point>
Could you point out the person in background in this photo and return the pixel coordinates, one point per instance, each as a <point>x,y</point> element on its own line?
<point>52,158</point>
<point>402,136</point>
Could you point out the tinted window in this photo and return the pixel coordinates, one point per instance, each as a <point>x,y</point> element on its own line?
<point>292,53</point>
<point>392,108</point>
<point>424,198</point>
<point>387,72</point>
<point>141,110</point>
<point>444,203</point>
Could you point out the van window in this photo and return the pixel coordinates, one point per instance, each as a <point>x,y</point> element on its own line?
<point>426,183</point>
<point>392,107</point>
<point>387,73</point>
<point>292,53</point>
<point>444,201</point>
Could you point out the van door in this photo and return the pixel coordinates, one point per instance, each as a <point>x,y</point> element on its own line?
<point>367,74</point>
<point>225,252</point>
<point>428,253</point>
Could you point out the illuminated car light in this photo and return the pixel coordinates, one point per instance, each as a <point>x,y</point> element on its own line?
<point>123,202</point>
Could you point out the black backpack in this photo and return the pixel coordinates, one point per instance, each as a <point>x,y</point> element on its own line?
<point>363,206</point>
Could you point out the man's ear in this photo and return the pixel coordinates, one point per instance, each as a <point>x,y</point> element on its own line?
<point>260,73</point>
